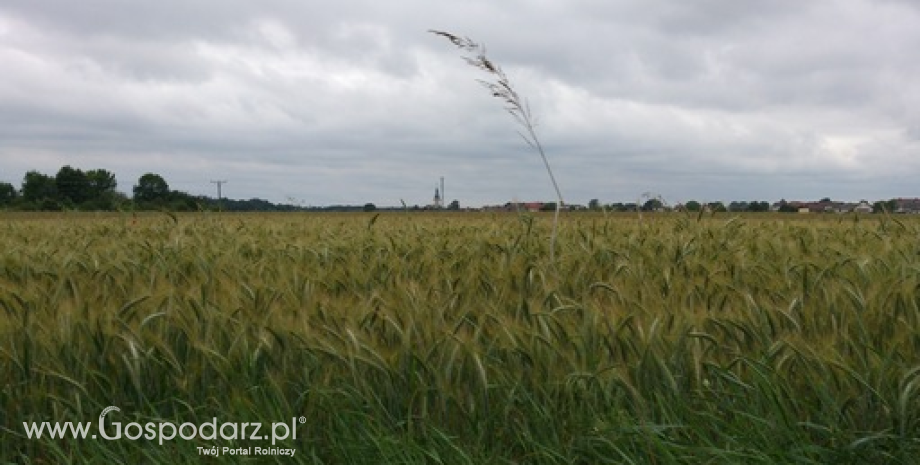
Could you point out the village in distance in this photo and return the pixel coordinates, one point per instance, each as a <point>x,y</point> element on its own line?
<point>96,190</point>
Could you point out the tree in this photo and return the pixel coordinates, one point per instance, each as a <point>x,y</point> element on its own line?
<point>652,205</point>
<point>758,206</point>
<point>786,207</point>
<point>72,185</point>
<point>594,204</point>
<point>181,201</point>
<point>455,205</point>
<point>369,207</point>
<point>621,207</point>
<point>7,193</point>
<point>716,207</point>
<point>693,206</point>
<point>101,182</point>
<point>37,187</point>
<point>150,188</point>
<point>885,206</point>
<point>736,206</point>
<point>102,193</point>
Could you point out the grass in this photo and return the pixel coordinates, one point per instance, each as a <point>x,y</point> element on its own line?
<point>455,339</point>
<point>501,88</point>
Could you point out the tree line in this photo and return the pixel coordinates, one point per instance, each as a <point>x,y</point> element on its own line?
<point>656,204</point>
<point>96,190</point>
<point>93,190</point>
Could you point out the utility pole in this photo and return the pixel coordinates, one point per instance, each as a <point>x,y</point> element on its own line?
<point>219,183</point>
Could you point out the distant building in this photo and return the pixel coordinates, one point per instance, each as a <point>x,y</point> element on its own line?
<point>531,207</point>
<point>907,206</point>
<point>523,206</point>
<point>821,206</point>
<point>863,207</point>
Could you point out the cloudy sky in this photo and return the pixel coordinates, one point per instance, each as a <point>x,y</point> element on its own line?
<point>347,102</point>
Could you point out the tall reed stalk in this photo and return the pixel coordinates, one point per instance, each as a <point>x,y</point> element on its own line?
<point>500,87</point>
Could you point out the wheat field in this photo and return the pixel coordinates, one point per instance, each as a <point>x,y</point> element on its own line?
<point>454,338</point>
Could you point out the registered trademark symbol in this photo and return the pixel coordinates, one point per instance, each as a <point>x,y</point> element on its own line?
<point>303,420</point>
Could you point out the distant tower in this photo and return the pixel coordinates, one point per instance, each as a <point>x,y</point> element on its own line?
<point>438,203</point>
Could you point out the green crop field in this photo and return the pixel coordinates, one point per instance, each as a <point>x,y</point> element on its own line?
<point>437,338</point>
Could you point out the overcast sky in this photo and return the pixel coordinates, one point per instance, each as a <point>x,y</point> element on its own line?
<point>347,102</point>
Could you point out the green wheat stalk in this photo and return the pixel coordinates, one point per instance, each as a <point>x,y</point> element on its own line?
<point>502,89</point>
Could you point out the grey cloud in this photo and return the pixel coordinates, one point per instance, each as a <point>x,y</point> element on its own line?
<point>353,102</point>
